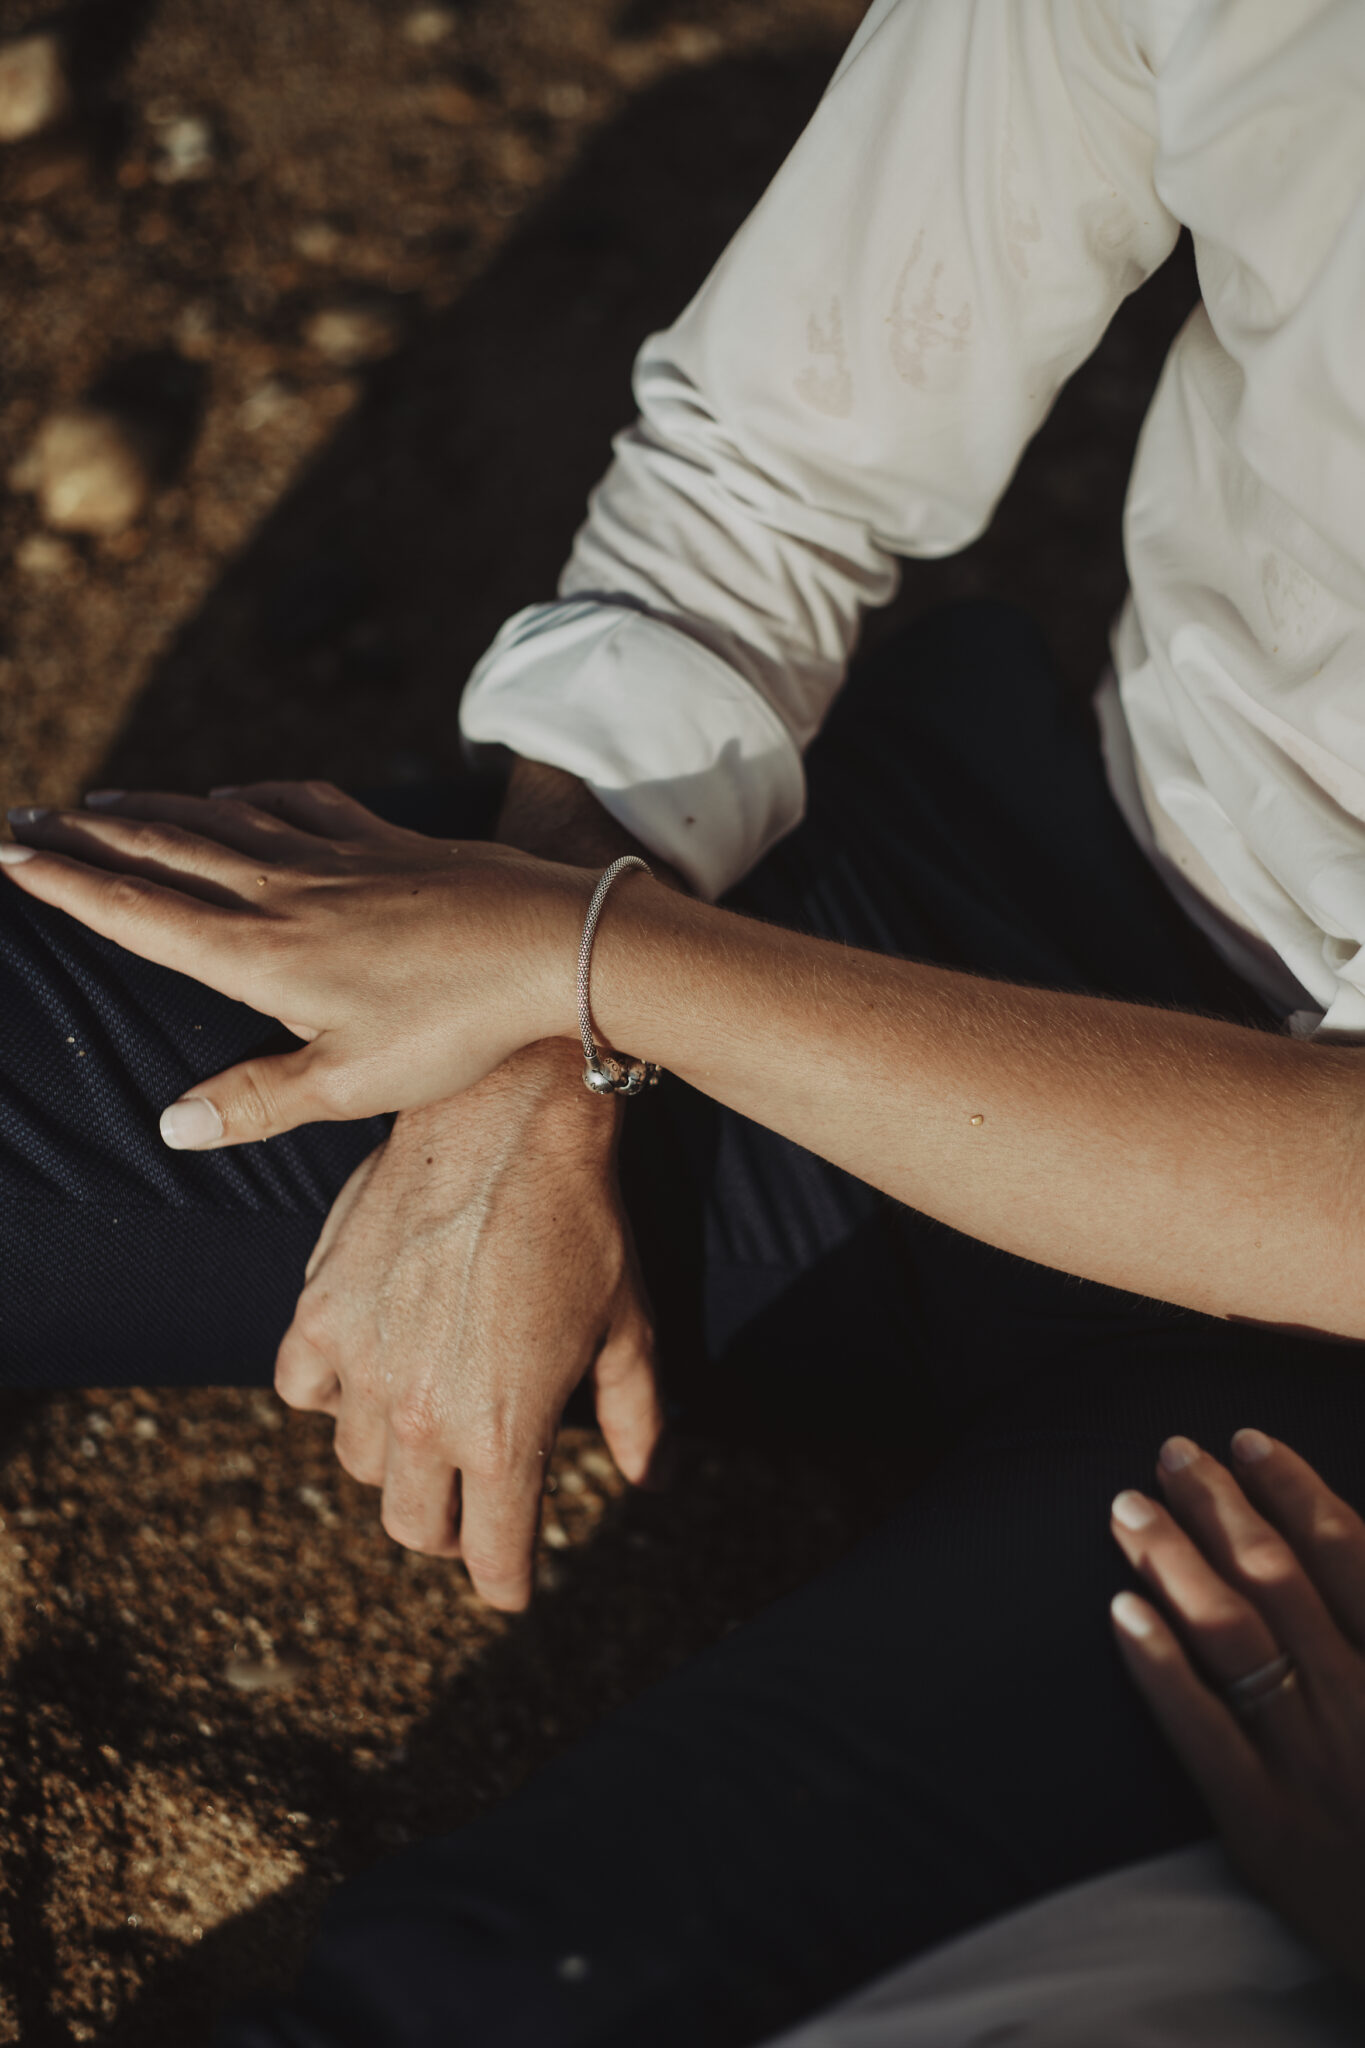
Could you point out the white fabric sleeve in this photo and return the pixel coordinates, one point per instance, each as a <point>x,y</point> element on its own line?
<point>854,382</point>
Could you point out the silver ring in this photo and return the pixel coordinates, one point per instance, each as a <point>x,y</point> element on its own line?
<point>1246,1695</point>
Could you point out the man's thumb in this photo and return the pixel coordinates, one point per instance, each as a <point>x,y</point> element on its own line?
<point>259,1099</point>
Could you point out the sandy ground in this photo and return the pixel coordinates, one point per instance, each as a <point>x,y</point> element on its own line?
<point>223,1686</point>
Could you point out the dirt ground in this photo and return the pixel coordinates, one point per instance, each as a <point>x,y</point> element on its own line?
<point>223,1687</point>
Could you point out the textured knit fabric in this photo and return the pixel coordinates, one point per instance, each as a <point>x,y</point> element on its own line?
<point>939,1729</point>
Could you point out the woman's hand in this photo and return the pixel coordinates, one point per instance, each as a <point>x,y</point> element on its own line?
<point>1256,1669</point>
<point>411,966</point>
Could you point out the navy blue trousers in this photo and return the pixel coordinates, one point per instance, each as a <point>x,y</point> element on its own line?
<point>931,1733</point>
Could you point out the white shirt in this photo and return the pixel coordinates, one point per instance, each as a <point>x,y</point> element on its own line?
<point>981,185</point>
<point>1167,1954</point>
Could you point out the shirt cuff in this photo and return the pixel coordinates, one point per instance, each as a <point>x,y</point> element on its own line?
<point>682,752</point>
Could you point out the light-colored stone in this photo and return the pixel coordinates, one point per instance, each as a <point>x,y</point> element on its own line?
<point>428,25</point>
<point>268,404</point>
<point>317,241</point>
<point>88,470</point>
<point>261,1674</point>
<point>34,93</point>
<point>186,143</point>
<point>45,557</point>
<point>353,334</point>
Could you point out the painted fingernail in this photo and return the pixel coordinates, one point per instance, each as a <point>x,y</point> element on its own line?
<point>98,798</point>
<point>1249,1446</point>
<point>1133,1616</point>
<point>1177,1452</point>
<point>187,1125</point>
<point>27,814</point>
<point>10,856</point>
<point>1132,1510</point>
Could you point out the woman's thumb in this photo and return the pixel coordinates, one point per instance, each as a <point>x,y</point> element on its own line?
<point>259,1099</point>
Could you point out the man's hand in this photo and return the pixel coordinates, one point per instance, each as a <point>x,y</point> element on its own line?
<point>471,1272</point>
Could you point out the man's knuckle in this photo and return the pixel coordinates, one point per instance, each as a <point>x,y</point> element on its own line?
<point>313,1319</point>
<point>414,1423</point>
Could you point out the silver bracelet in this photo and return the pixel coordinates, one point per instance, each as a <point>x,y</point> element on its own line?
<point>607,1073</point>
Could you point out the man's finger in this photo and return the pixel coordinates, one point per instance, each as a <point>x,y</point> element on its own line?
<point>420,1503</point>
<point>498,1518</point>
<point>629,1411</point>
<point>1204,1733</point>
<point>360,1441</point>
<point>304,1376</point>
<point>1327,1534</point>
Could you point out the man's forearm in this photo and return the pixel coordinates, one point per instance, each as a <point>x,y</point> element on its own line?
<point>547,812</point>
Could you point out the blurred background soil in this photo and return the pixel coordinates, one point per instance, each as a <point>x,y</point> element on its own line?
<point>354,287</point>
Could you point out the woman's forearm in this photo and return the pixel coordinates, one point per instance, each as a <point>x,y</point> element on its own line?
<point>1176,1156</point>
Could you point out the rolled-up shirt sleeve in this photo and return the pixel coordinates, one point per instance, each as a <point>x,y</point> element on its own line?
<point>854,383</point>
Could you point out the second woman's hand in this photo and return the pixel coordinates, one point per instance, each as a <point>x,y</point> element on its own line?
<point>410,966</point>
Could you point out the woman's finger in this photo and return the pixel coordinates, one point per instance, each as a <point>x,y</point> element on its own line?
<point>1204,1734</point>
<point>262,1098</point>
<point>317,807</point>
<point>225,820</point>
<point>1223,1629</point>
<point>1327,1534</point>
<point>153,848</point>
<point>209,942</point>
<point>1251,1554</point>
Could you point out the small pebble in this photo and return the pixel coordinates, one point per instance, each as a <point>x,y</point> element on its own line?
<point>566,100</point>
<point>349,335</point>
<point>88,471</point>
<point>428,25</point>
<point>146,1427</point>
<point>268,403</point>
<point>43,556</point>
<point>452,103</point>
<point>317,241</point>
<point>256,1674</point>
<point>34,93</point>
<point>187,149</point>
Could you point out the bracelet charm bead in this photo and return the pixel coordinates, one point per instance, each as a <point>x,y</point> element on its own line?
<point>607,1073</point>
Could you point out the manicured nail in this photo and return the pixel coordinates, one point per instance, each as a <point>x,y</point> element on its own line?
<point>10,856</point>
<point>1131,1614</point>
<point>187,1125</point>
<point>27,814</point>
<point>1177,1452</point>
<point>98,798</point>
<point>228,789</point>
<point>1132,1511</point>
<point>1249,1446</point>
